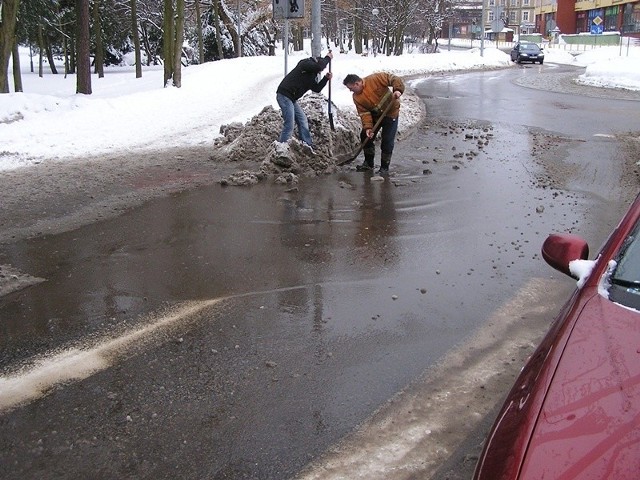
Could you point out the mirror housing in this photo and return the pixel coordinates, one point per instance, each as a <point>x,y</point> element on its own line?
<point>561,248</point>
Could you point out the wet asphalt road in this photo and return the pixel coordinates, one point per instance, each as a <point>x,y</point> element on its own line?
<point>238,333</point>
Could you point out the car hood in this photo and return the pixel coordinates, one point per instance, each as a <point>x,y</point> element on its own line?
<point>589,426</point>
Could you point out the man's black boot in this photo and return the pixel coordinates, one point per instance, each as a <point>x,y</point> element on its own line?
<point>385,161</point>
<point>367,165</point>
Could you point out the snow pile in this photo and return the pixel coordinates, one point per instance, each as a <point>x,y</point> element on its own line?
<point>285,162</point>
<point>599,74</point>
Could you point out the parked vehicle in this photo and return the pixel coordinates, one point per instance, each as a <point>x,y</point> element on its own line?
<point>527,52</point>
<point>574,411</point>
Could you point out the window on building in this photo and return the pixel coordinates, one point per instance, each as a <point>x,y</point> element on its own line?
<point>631,18</point>
<point>514,3</point>
<point>611,18</point>
<point>525,15</point>
<point>525,3</point>
<point>512,17</point>
<point>491,16</point>
<point>492,3</point>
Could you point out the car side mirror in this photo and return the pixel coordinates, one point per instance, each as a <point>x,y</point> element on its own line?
<point>561,248</point>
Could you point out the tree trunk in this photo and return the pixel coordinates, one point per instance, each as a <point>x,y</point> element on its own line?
<point>238,38</point>
<point>167,40</point>
<point>147,44</point>
<point>72,55</point>
<point>97,26</point>
<point>216,19</point>
<point>8,15</point>
<point>65,49</point>
<point>83,77</point>
<point>65,46</point>
<point>136,38</point>
<point>17,75</point>
<point>357,35</point>
<point>52,63</point>
<point>231,28</point>
<point>40,48</point>
<point>298,38</point>
<point>177,49</point>
<point>199,31</point>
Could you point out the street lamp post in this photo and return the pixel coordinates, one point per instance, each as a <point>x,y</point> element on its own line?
<point>375,12</point>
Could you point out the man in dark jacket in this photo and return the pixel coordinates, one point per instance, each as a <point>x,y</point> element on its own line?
<point>297,82</point>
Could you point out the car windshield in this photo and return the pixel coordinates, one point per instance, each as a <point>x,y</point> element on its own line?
<point>532,48</point>
<point>625,279</point>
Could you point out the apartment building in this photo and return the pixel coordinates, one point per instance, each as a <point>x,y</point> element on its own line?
<point>590,16</point>
<point>508,18</point>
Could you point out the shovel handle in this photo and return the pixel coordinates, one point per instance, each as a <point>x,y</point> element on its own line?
<point>331,124</point>
<point>375,130</point>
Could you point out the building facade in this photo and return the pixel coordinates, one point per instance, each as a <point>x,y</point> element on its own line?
<point>508,18</point>
<point>589,16</point>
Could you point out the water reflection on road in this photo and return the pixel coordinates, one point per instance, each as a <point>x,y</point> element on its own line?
<point>312,306</point>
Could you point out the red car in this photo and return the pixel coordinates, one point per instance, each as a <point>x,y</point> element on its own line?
<point>574,411</point>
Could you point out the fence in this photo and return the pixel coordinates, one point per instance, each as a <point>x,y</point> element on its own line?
<point>622,42</point>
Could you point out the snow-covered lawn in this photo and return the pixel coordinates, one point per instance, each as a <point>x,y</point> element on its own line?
<point>49,121</point>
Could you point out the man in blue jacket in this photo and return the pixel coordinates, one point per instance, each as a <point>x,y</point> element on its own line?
<point>295,84</point>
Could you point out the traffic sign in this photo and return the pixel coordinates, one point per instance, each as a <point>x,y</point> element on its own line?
<point>288,9</point>
<point>597,25</point>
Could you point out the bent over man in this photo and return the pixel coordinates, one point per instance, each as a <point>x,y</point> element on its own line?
<point>372,95</point>
<point>295,84</point>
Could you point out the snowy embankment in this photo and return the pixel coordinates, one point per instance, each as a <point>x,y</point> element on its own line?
<point>50,122</point>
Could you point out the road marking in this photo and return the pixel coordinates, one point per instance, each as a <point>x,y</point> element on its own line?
<point>78,364</point>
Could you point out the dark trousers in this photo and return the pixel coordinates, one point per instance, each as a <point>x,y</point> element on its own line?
<point>388,129</point>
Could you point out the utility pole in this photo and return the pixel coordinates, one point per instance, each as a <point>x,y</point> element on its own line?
<point>482,24</point>
<point>316,28</point>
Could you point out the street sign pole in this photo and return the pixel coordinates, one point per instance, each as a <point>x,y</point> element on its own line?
<point>284,10</point>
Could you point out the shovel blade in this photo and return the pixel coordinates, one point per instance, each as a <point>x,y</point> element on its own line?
<point>343,160</point>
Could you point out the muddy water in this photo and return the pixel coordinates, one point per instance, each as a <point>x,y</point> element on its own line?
<point>237,333</point>
<point>298,312</point>
<point>439,225</point>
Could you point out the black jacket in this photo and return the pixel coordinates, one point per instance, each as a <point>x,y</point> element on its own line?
<point>303,78</point>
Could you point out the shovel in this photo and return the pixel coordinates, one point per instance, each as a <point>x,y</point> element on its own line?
<point>367,140</point>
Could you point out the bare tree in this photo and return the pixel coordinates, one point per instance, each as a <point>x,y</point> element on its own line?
<point>83,77</point>
<point>8,15</point>
<point>167,40</point>
<point>177,49</point>
<point>136,38</point>
<point>199,33</point>
<point>216,19</point>
<point>97,33</point>
<point>435,14</point>
<point>173,35</point>
<point>17,75</point>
